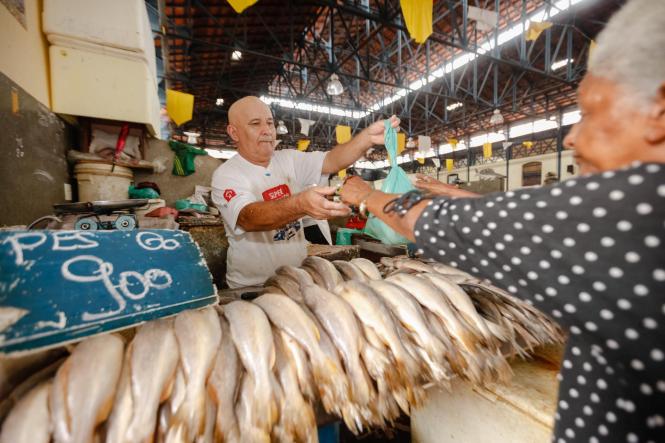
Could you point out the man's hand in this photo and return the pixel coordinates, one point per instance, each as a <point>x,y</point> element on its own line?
<point>376,130</point>
<point>354,190</point>
<point>434,186</point>
<point>314,203</point>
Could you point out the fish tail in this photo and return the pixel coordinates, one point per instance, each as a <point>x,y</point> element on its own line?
<point>254,434</point>
<point>498,332</point>
<point>501,368</point>
<point>333,385</point>
<point>387,407</point>
<point>474,368</point>
<point>359,384</point>
<point>176,433</point>
<point>307,426</point>
<point>352,419</point>
<point>438,371</point>
<point>417,394</point>
<point>401,397</point>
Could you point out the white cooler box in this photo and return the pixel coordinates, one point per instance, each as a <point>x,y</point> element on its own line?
<point>121,24</point>
<point>94,84</point>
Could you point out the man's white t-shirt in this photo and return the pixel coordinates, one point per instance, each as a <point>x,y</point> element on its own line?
<point>253,256</point>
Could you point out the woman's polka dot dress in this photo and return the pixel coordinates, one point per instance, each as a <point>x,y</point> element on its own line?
<point>590,252</point>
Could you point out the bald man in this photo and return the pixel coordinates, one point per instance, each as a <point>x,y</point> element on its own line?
<point>262,194</point>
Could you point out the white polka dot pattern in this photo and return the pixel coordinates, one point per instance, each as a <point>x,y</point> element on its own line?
<point>591,253</point>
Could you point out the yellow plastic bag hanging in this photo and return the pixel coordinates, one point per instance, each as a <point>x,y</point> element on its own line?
<point>418,18</point>
<point>401,142</point>
<point>343,134</point>
<point>303,144</point>
<point>528,144</point>
<point>449,164</point>
<point>487,150</point>
<point>535,29</point>
<point>179,106</point>
<point>240,5</point>
<point>452,142</point>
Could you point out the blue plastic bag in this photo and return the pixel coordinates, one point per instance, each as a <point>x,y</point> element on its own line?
<point>397,182</point>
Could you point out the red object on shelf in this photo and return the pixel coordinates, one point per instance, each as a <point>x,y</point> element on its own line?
<point>355,222</point>
<point>162,212</point>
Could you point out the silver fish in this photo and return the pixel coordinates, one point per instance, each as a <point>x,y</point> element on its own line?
<point>30,420</point>
<point>222,385</point>
<point>337,318</point>
<point>289,317</point>
<point>248,404</point>
<point>368,268</point>
<point>350,271</point>
<point>450,270</point>
<point>410,314</point>
<point>154,359</point>
<point>429,296</point>
<point>326,270</point>
<point>461,301</point>
<point>297,421</point>
<point>209,427</point>
<point>285,284</point>
<point>84,388</point>
<point>197,333</point>
<point>379,367</point>
<point>123,406</point>
<point>296,274</point>
<point>373,313</point>
<point>257,353</point>
<point>300,362</point>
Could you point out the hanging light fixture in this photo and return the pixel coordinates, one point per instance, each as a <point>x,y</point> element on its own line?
<point>281,128</point>
<point>410,143</point>
<point>334,86</point>
<point>496,119</point>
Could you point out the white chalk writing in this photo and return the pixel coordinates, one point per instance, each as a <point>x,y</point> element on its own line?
<point>155,241</point>
<point>60,324</point>
<point>152,278</point>
<point>20,242</point>
<point>80,240</point>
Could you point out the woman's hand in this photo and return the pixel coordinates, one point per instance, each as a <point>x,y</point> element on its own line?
<point>354,190</point>
<point>434,186</point>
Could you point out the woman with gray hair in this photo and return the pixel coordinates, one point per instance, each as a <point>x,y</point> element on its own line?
<point>589,251</point>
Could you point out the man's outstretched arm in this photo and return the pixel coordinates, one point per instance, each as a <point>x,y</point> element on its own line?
<point>266,216</point>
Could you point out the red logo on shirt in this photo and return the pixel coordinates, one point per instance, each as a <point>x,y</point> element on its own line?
<point>229,194</point>
<point>276,193</point>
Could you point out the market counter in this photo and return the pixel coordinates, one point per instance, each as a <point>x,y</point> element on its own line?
<point>519,412</point>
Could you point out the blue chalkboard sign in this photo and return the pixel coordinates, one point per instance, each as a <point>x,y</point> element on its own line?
<point>59,286</point>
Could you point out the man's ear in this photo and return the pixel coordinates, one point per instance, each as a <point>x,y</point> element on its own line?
<point>233,132</point>
<point>655,133</point>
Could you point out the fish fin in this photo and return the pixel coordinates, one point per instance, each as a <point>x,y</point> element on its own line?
<point>333,385</point>
<point>501,368</point>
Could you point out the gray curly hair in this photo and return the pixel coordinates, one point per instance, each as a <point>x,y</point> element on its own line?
<point>630,50</point>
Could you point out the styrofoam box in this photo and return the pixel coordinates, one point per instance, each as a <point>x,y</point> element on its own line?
<point>121,24</point>
<point>69,42</point>
<point>103,86</point>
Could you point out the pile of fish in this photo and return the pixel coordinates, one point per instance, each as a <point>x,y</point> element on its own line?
<point>359,340</point>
